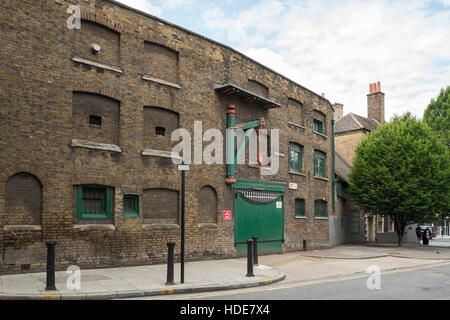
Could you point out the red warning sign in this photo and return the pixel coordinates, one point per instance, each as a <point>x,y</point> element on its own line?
<point>227,215</point>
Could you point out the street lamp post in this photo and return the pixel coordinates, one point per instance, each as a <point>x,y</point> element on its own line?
<point>183,168</point>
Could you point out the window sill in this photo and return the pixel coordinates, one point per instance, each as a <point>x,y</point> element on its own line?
<point>321,134</point>
<point>301,218</point>
<point>130,215</point>
<point>208,225</point>
<point>297,173</point>
<point>18,228</point>
<point>94,227</point>
<point>320,178</point>
<point>296,125</point>
<point>160,226</point>
<point>95,145</point>
<point>97,65</point>
<point>161,81</point>
<point>320,218</point>
<point>160,154</point>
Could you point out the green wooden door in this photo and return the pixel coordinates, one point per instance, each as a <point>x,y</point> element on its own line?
<point>259,213</point>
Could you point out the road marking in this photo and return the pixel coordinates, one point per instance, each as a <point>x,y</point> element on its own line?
<point>296,285</point>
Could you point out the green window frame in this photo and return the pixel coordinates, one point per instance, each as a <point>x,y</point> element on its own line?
<point>93,202</point>
<point>300,208</point>
<point>131,205</point>
<point>295,157</point>
<point>320,209</point>
<point>319,164</point>
<point>318,126</point>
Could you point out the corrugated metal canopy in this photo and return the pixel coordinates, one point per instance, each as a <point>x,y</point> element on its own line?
<point>245,95</point>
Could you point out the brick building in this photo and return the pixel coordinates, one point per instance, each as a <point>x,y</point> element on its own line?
<point>350,130</point>
<point>86,117</point>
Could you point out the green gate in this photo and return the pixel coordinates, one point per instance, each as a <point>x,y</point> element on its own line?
<point>259,213</point>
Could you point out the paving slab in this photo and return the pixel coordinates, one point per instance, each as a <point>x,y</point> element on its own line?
<point>135,282</point>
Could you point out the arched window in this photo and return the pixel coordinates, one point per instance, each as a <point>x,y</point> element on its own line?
<point>207,205</point>
<point>23,200</point>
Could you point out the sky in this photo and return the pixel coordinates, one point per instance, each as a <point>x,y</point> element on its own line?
<point>333,47</point>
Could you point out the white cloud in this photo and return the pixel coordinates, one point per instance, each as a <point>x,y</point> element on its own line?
<point>144,6</point>
<point>340,48</point>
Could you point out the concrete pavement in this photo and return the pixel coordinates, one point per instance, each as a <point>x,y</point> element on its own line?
<point>127,282</point>
<point>370,251</point>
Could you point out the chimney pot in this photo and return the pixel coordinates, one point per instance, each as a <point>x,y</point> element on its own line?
<point>379,86</point>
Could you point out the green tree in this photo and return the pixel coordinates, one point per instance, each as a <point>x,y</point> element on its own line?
<point>437,116</point>
<point>402,170</point>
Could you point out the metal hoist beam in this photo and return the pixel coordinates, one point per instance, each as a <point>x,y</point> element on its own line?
<point>233,156</point>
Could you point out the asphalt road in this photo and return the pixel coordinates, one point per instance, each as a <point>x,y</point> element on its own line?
<point>416,283</point>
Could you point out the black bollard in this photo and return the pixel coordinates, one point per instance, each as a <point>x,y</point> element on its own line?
<point>304,244</point>
<point>250,258</point>
<point>50,285</point>
<point>170,254</point>
<point>255,250</point>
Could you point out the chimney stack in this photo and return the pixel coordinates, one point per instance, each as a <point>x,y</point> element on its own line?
<point>375,103</point>
<point>338,111</point>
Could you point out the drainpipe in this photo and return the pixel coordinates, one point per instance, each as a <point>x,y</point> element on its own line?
<point>333,183</point>
<point>231,123</point>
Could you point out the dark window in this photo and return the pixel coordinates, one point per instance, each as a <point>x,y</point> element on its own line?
<point>131,205</point>
<point>160,131</point>
<point>94,202</point>
<point>95,120</point>
<point>320,209</point>
<point>300,208</point>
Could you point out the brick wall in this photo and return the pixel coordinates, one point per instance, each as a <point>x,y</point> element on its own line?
<point>39,78</point>
<point>347,142</point>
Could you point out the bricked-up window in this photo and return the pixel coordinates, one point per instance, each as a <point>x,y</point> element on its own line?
<point>160,62</point>
<point>296,110</point>
<point>161,206</point>
<point>319,164</point>
<point>320,209</point>
<point>207,205</point>
<point>93,202</point>
<point>295,157</point>
<point>93,33</point>
<point>90,109</point>
<point>258,88</point>
<point>131,205</point>
<point>300,208</point>
<point>159,123</point>
<point>23,200</point>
